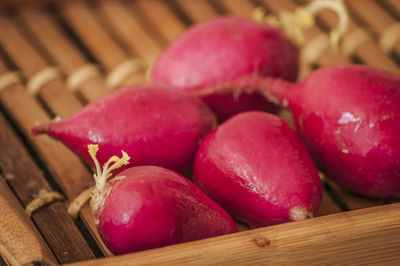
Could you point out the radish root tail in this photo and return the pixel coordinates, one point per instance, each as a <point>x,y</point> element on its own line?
<point>294,24</point>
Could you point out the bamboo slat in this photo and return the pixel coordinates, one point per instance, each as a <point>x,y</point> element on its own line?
<point>379,22</point>
<point>317,49</point>
<point>161,17</point>
<point>197,10</point>
<point>27,181</point>
<point>20,243</point>
<point>64,52</point>
<point>359,42</point>
<point>367,236</point>
<point>113,32</point>
<point>241,8</point>
<point>66,168</point>
<point>392,6</point>
<point>54,92</point>
<point>130,30</point>
<point>106,50</point>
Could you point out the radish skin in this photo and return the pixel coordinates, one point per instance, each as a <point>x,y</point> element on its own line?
<point>223,49</point>
<point>159,125</point>
<point>349,119</point>
<point>257,169</point>
<point>147,207</point>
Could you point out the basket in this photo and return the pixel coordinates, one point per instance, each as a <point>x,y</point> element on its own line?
<point>56,56</point>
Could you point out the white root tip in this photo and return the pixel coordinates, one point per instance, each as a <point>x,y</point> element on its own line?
<point>300,213</point>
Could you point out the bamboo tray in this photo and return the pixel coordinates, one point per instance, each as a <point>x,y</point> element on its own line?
<point>63,41</point>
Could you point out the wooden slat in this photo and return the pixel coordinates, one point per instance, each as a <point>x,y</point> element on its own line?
<point>354,201</point>
<point>97,39</point>
<point>241,8</point>
<point>377,19</point>
<point>64,166</point>
<point>367,236</point>
<point>27,181</point>
<point>61,48</point>
<point>130,30</point>
<point>20,242</point>
<point>161,16</point>
<point>324,56</point>
<point>59,99</point>
<point>369,52</point>
<point>392,5</point>
<point>198,10</point>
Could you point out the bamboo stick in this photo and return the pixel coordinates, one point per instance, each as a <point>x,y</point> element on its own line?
<point>198,10</point>
<point>241,8</point>
<point>64,166</point>
<point>130,30</point>
<point>317,49</point>
<point>379,21</point>
<point>68,170</point>
<point>63,50</point>
<point>160,15</point>
<point>27,181</point>
<point>392,5</point>
<point>20,242</point>
<point>367,236</point>
<point>54,92</point>
<point>358,42</point>
<point>98,40</point>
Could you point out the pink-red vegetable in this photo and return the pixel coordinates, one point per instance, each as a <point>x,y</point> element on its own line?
<point>148,206</point>
<point>349,118</point>
<point>223,49</point>
<point>159,125</point>
<point>257,169</point>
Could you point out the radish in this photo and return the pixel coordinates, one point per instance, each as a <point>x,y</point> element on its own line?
<point>158,124</point>
<point>257,169</point>
<point>222,49</point>
<point>349,118</point>
<point>148,206</point>
<point>227,48</point>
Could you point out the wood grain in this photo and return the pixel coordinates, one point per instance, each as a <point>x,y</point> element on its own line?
<point>27,180</point>
<point>20,242</point>
<point>197,10</point>
<point>130,30</point>
<point>160,15</point>
<point>64,166</point>
<point>99,41</point>
<point>377,19</point>
<point>64,51</point>
<point>367,236</point>
<point>369,51</point>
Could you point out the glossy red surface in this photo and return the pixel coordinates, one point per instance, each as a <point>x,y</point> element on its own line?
<point>154,207</point>
<point>154,124</point>
<point>349,118</point>
<point>223,49</point>
<point>257,169</point>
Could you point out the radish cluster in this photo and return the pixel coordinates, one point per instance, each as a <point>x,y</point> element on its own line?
<point>252,166</point>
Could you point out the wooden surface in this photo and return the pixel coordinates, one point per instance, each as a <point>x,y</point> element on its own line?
<point>20,242</point>
<point>368,236</point>
<point>72,35</point>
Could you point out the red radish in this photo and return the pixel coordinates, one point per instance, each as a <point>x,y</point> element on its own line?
<point>227,48</point>
<point>257,169</point>
<point>159,125</point>
<point>148,206</point>
<point>349,119</point>
<point>223,49</point>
